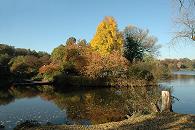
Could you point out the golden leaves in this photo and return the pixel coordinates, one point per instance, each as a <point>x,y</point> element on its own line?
<point>107,37</point>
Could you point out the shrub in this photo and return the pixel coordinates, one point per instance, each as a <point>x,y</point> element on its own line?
<point>111,65</point>
<point>49,71</point>
<point>140,71</point>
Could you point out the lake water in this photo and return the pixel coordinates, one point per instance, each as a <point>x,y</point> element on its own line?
<point>20,104</point>
<point>183,87</point>
<point>95,106</point>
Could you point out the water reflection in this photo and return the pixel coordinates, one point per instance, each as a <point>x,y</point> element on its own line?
<point>183,84</point>
<point>184,72</point>
<point>82,107</point>
<point>5,97</point>
<point>90,107</point>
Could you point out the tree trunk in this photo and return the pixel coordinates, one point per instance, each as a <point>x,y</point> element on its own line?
<point>166,101</point>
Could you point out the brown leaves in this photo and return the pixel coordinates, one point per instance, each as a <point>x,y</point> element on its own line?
<point>99,66</point>
<point>49,68</point>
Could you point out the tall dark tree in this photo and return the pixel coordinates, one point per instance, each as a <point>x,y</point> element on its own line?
<point>71,40</point>
<point>137,43</point>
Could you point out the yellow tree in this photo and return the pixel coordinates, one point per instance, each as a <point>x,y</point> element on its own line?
<point>107,37</point>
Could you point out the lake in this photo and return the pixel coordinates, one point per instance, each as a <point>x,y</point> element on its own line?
<point>183,88</point>
<point>95,106</point>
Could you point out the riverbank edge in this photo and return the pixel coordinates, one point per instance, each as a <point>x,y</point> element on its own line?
<point>165,120</point>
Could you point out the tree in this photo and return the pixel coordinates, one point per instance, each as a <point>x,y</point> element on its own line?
<point>71,56</point>
<point>184,21</point>
<point>107,37</point>
<point>49,71</point>
<point>44,60</point>
<point>7,49</point>
<point>4,59</point>
<point>58,54</point>
<point>21,51</point>
<point>185,3</point>
<point>5,75</point>
<point>25,66</point>
<point>99,66</point>
<point>137,43</point>
<point>71,40</point>
<point>82,43</point>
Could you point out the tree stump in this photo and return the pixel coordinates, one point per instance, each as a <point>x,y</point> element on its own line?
<point>166,101</point>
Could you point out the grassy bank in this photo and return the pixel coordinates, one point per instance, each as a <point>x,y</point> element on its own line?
<point>142,122</point>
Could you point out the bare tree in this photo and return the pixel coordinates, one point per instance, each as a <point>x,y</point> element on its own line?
<point>184,21</point>
<point>185,3</point>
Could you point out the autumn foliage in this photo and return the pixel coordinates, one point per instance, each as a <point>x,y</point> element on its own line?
<point>108,59</point>
<point>49,68</point>
<point>104,66</point>
<point>112,57</point>
<point>107,37</point>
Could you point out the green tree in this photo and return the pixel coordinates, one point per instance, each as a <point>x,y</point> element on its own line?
<point>82,43</point>
<point>4,59</point>
<point>71,40</point>
<point>107,37</point>
<point>137,43</point>
<point>58,53</point>
<point>22,51</point>
<point>70,57</point>
<point>25,66</point>
<point>7,49</point>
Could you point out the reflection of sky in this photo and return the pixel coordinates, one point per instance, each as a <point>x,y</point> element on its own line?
<point>183,89</point>
<point>30,109</point>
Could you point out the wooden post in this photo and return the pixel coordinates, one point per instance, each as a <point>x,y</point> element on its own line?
<point>166,101</point>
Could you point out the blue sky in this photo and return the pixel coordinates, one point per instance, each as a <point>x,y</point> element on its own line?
<point>44,24</point>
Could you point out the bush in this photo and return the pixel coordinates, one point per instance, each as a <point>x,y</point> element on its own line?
<point>149,69</point>
<point>112,65</point>
<point>48,72</point>
<point>24,66</point>
<point>140,71</point>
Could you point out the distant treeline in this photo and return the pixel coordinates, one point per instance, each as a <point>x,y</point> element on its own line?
<point>20,63</point>
<point>111,58</point>
<point>178,64</point>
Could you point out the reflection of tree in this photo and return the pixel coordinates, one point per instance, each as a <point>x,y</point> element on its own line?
<point>105,105</point>
<point>21,92</point>
<point>180,76</point>
<point>141,99</point>
<point>5,74</point>
<point>98,106</point>
<point>5,97</point>
<point>9,95</point>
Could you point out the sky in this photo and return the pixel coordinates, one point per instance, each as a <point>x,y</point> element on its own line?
<point>42,25</point>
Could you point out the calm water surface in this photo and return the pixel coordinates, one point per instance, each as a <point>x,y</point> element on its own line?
<point>30,109</point>
<point>20,104</point>
<point>183,86</point>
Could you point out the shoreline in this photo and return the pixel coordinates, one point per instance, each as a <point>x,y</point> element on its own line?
<point>166,120</point>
